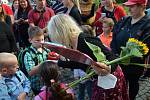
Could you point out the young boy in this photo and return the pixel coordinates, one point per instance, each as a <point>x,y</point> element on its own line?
<point>15,84</point>
<point>106,36</point>
<point>35,55</point>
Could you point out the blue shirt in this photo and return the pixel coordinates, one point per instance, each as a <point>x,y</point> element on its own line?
<point>15,85</point>
<point>3,90</point>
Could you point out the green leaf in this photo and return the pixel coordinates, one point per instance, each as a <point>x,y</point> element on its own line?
<point>124,51</point>
<point>135,52</point>
<point>97,52</point>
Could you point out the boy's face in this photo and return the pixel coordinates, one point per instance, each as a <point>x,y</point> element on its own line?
<point>10,68</point>
<point>36,40</point>
<point>106,28</point>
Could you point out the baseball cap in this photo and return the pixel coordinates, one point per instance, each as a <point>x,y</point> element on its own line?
<point>133,2</point>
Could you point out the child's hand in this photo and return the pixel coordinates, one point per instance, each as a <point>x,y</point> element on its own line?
<point>22,96</point>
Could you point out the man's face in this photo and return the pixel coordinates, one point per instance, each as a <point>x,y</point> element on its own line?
<point>106,2</point>
<point>41,3</point>
<point>135,10</point>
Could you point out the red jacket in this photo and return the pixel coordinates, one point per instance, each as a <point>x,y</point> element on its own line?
<point>119,12</point>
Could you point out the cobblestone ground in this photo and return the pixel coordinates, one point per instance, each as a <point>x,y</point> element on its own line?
<point>144,92</point>
<point>67,77</point>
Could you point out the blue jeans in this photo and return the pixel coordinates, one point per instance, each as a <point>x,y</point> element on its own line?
<point>85,86</point>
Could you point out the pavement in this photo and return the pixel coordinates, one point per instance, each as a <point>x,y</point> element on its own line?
<point>144,91</point>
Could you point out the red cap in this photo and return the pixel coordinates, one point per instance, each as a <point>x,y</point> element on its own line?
<point>133,2</point>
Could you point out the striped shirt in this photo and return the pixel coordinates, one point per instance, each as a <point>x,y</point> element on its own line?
<point>58,7</point>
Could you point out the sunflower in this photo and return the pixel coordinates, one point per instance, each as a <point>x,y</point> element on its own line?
<point>139,44</point>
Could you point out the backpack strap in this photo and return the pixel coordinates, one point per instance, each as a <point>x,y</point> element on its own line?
<point>21,60</point>
<point>19,78</point>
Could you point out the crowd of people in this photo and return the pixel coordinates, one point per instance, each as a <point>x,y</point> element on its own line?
<point>27,68</point>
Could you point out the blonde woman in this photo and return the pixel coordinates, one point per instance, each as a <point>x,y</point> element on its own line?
<point>63,29</point>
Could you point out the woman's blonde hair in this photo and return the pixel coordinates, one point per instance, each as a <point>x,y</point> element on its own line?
<point>62,29</point>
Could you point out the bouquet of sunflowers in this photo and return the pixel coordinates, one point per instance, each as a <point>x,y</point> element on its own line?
<point>134,48</point>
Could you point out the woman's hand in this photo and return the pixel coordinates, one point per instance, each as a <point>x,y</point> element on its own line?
<point>19,21</point>
<point>101,69</point>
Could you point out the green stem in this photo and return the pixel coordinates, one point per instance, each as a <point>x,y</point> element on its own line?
<point>92,73</point>
<point>118,59</point>
<point>74,83</point>
<point>81,79</point>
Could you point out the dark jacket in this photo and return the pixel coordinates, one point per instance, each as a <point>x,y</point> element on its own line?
<point>123,31</point>
<point>7,39</point>
<point>74,12</point>
<point>82,47</point>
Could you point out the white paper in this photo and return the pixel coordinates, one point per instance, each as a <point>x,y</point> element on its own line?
<point>107,82</point>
